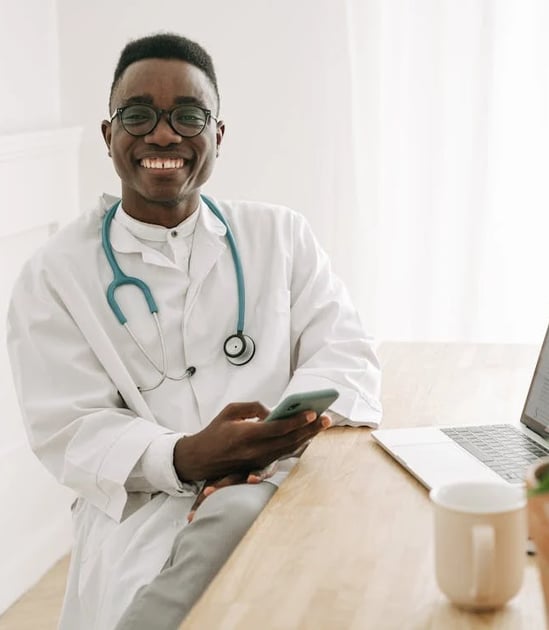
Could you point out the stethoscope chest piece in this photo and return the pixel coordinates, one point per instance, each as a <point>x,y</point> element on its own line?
<point>239,349</point>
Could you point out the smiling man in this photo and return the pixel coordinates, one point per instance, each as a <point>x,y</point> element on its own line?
<point>142,335</point>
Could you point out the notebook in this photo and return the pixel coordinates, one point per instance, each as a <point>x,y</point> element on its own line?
<point>493,452</point>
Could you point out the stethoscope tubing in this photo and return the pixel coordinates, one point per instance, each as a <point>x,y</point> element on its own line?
<point>120,279</point>
<point>237,264</point>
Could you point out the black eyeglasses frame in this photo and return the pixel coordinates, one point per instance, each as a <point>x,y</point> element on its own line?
<point>161,112</point>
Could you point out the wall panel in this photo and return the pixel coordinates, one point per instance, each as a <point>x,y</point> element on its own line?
<point>38,176</point>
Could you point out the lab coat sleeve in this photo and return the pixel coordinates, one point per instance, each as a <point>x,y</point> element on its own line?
<point>75,419</point>
<point>330,347</point>
<point>156,467</point>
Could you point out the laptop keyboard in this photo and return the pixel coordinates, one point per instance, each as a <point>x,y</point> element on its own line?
<point>502,447</point>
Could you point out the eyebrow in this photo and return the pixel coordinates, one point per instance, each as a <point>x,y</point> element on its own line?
<point>178,100</point>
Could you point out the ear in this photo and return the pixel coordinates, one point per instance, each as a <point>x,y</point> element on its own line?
<point>106,131</point>
<point>219,133</point>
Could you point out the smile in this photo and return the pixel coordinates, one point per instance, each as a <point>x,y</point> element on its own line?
<point>162,163</point>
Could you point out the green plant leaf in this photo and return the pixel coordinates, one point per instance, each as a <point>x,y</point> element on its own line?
<point>542,487</point>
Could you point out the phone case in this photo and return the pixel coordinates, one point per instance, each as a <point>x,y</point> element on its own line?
<point>318,400</point>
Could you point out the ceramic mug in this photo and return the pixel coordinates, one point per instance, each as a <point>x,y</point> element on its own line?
<point>480,542</point>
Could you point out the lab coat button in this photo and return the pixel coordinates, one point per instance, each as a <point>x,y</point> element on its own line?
<point>174,233</point>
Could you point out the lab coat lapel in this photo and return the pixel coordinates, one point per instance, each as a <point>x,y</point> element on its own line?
<point>208,245</point>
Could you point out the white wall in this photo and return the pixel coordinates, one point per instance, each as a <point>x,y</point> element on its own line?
<point>36,159</point>
<point>29,69</point>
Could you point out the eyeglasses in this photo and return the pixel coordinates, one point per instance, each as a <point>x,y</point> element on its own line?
<point>186,120</point>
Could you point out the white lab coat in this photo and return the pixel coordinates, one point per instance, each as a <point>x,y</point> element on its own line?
<point>76,373</point>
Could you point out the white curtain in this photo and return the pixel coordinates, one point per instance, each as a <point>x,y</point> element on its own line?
<point>450,123</point>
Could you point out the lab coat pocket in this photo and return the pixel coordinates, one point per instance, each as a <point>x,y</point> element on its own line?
<point>134,557</point>
<point>101,552</point>
<point>92,528</point>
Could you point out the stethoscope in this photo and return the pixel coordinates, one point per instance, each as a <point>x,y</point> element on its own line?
<point>238,347</point>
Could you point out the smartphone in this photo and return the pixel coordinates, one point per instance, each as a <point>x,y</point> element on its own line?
<point>318,400</point>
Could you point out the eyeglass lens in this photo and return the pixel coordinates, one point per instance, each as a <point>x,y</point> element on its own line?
<point>187,120</point>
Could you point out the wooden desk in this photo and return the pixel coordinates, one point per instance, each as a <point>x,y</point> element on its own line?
<point>346,542</point>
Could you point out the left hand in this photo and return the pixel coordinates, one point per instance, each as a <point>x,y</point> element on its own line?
<point>256,476</point>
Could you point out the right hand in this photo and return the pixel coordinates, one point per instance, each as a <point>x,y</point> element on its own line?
<point>230,444</point>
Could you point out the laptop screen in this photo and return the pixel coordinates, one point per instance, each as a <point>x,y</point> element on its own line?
<point>536,409</point>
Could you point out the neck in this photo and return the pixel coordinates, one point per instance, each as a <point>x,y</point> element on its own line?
<point>167,213</point>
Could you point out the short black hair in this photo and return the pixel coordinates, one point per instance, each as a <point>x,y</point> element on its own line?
<point>165,46</point>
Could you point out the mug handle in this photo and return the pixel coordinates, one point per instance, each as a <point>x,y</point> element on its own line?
<point>483,561</point>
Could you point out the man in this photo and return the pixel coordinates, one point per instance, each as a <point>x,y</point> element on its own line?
<point>142,405</point>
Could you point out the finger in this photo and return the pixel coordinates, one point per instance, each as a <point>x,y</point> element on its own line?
<point>205,491</point>
<point>283,445</point>
<point>198,502</point>
<point>326,421</point>
<point>228,480</point>
<point>195,506</point>
<point>308,432</point>
<point>199,498</point>
<point>283,426</point>
<point>210,487</point>
<point>257,476</point>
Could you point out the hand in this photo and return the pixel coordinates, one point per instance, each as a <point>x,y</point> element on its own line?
<point>231,444</point>
<point>230,480</point>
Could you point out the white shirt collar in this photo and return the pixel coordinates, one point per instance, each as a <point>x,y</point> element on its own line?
<point>152,232</point>
<point>123,239</point>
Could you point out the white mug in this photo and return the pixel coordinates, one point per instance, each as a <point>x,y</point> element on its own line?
<point>480,542</point>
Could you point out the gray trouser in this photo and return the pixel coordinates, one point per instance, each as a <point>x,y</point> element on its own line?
<point>199,551</point>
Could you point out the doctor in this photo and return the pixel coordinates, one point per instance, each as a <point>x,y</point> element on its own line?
<point>140,334</point>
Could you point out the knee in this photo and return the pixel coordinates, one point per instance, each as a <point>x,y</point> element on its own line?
<point>237,506</point>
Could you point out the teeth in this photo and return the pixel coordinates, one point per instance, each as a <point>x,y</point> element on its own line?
<point>162,163</point>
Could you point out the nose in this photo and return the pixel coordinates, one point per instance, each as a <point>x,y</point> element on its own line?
<point>163,134</point>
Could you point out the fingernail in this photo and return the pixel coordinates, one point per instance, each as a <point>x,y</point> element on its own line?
<point>190,517</point>
<point>207,491</point>
<point>310,416</point>
<point>326,422</point>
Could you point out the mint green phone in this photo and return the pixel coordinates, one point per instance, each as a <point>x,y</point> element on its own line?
<point>318,400</point>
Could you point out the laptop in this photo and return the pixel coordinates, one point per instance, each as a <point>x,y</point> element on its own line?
<point>493,452</point>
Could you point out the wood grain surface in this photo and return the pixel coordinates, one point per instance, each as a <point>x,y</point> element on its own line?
<point>346,542</point>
